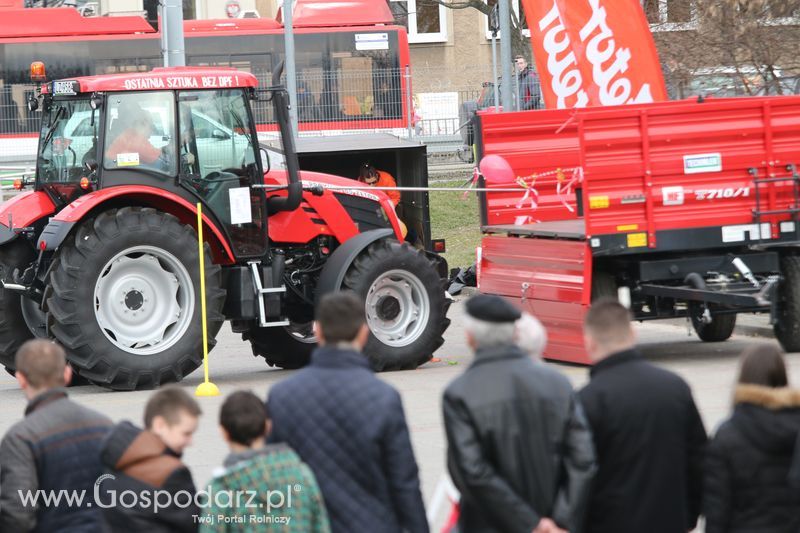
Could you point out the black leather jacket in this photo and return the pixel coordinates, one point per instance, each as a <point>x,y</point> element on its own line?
<point>519,448</point>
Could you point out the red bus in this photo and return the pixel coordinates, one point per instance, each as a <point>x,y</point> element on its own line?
<point>351,61</point>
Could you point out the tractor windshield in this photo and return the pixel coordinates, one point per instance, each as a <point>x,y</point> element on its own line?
<point>68,140</point>
<point>140,132</point>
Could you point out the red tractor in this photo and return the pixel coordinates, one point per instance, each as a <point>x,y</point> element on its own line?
<point>102,254</point>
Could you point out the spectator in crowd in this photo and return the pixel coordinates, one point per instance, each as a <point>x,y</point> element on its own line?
<point>531,336</point>
<point>55,447</point>
<point>519,448</point>
<point>748,460</point>
<point>530,95</point>
<point>350,428</point>
<point>253,467</point>
<point>149,461</point>
<point>379,178</point>
<point>647,433</point>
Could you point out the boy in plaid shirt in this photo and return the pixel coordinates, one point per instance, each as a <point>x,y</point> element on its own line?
<point>263,487</point>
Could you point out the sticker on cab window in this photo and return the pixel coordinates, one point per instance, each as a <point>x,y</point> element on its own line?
<point>128,160</point>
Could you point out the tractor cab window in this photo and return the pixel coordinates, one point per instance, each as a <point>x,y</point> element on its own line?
<point>140,128</point>
<point>68,140</point>
<point>218,162</point>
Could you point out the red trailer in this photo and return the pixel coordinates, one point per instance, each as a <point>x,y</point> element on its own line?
<point>680,209</point>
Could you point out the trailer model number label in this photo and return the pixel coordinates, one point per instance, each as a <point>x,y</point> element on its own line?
<point>727,192</point>
<point>697,163</point>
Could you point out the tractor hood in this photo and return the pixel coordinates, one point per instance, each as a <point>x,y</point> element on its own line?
<point>327,181</point>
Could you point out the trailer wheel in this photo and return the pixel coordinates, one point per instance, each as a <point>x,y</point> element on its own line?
<point>787,325</point>
<point>405,304</point>
<point>719,329</point>
<point>125,300</point>
<point>13,329</point>
<point>287,347</point>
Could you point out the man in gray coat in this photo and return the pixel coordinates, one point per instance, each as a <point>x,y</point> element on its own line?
<point>53,451</point>
<point>519,448</point>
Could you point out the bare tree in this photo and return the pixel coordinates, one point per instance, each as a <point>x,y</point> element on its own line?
<point>755,40</point>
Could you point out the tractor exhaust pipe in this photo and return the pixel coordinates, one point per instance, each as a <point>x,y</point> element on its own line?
<point>280,102</point>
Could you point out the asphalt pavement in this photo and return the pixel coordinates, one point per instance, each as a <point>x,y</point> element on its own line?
<point>710,369</point>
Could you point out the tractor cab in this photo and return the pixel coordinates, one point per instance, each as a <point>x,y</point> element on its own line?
<point>187,131</point>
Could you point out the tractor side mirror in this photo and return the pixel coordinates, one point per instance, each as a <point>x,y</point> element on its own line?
<point>91,165</point>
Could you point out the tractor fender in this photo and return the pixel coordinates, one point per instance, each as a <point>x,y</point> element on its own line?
<point>61,225</point>
<point>335,268</point>
<point>23,210</point>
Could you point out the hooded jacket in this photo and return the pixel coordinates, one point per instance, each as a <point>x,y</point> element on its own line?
<point>138,460</point>
<point>747,464</point>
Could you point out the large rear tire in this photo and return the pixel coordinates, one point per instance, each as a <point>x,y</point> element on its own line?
<point>13,329</point>
<point>787,324</point>
<point>404,301</point>
<point>125,299</point>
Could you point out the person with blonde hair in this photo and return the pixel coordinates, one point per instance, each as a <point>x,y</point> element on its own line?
<point>748,462</point>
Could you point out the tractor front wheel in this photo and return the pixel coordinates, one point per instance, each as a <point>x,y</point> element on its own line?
<point>125,299</point>
<point>404,303</point>
<point>787,323</point>
<point>286,347</point>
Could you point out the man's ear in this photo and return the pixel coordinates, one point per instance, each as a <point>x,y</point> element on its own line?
<point>470,341</point>
<point>318,333</point>
<point>21,379</point>
<point>362,335</point>
<point>267,428</point>
<point>67,374</point>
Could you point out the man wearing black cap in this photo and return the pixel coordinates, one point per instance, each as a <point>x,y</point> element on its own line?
<point>519,448</point>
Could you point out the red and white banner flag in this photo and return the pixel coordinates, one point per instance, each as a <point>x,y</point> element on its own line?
<point>594,52</point>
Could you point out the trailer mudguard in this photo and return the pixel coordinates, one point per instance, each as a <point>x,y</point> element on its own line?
<point>335,268</point>
<point>61,225</point>
<point>22,211</point>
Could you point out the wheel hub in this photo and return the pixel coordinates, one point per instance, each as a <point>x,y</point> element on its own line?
<point>397,308</point>
<point>144,300</point>
<point>134,300</point>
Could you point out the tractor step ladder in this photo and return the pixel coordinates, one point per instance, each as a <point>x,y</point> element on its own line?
<point>794,210</point>
<point>261,294</point>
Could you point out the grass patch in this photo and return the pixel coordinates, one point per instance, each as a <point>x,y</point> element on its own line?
<point>456,220</point>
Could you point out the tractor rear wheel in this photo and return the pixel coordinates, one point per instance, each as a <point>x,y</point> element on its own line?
<point>13,329</point>
<point>404,302</point>
<point>787,324</point>
<point>125,299</point>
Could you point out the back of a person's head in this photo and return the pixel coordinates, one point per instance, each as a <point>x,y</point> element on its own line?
<point>170,402</point>
<point>340,316</point>
<point>42,362</point>
<point>531,335</point>
<point>608,322</point>
<point>762,364</point>
<point>243,416</point>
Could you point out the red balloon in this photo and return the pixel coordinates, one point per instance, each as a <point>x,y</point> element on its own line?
<point>495,169</point>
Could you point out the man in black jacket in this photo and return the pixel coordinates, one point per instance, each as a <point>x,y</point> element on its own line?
<point>349,427</point>
<point>519,448</point>
<point>647,432</point>
<point>54,448</point>
<point>147,462</point>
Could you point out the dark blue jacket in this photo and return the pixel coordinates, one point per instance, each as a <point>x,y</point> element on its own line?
<point>349,427</point>
<point>55,449</point>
